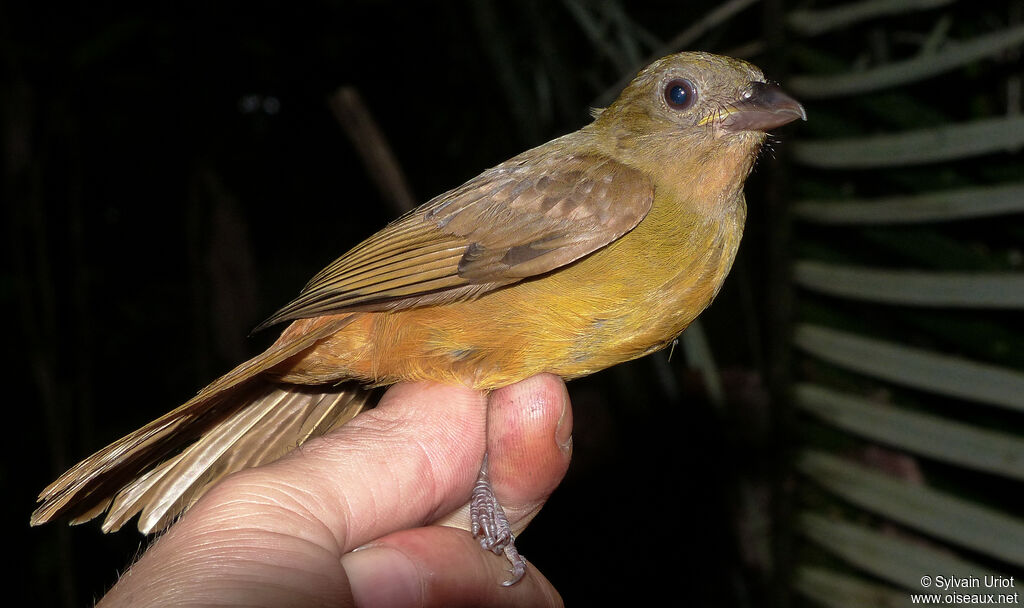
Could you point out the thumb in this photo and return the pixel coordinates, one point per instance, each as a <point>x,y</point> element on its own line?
<point>529,444</point>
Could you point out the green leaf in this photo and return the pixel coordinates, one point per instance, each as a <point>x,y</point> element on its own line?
<point>966,289</point>
<point>834,590</point>
<point>897,559</point>
<point>928,207</point>
<point>900,73</point>
<point>812,22</point>
<point>930,371</point>
<point>946,142</point>
<point>933,436</point>
<point>936,513</point>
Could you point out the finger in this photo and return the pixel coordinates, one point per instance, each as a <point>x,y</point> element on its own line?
<point>396,466</point>
<point>438,566</point>
<point>529,445</point>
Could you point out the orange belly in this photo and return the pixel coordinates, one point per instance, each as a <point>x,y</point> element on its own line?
<point>617,304</point>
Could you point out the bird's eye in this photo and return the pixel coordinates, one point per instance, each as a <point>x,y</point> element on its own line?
<point>680,94</point>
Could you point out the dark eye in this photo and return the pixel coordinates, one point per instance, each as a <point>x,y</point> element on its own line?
<point>680,94</point>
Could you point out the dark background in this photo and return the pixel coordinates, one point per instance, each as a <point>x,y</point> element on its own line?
<point>173,174</point>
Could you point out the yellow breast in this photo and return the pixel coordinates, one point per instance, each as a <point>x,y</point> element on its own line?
<point>626,300</point>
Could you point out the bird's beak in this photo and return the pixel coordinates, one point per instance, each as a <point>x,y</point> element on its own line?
<point>763,107</point>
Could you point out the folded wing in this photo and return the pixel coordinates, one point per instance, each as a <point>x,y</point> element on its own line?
<point>523,218</point>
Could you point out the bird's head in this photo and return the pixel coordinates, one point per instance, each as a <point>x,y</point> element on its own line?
<point>694,108</point>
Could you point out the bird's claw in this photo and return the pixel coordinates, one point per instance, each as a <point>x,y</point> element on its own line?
<point>490,525</point>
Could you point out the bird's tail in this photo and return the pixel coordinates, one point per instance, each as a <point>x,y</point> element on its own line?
<point>241,420</point>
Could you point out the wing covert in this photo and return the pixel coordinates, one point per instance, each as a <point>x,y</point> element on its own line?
<point>525,217</point>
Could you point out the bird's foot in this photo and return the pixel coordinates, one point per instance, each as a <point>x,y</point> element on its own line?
<point>490,525</point>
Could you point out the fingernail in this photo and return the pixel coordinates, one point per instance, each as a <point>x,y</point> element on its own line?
<point>382,576</point>
<point>563,430</point>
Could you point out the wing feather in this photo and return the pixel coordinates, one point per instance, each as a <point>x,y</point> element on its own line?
<point>530,215</point>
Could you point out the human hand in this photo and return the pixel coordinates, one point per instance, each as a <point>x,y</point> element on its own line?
<point>368,497</point>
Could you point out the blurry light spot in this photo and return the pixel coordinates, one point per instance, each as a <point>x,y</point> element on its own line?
<point>271,105</point>
<point>249,104</point>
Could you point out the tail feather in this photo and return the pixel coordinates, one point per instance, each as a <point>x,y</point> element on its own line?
<point>276,420</point>
<point>168,485</point>
<point>133,468</point>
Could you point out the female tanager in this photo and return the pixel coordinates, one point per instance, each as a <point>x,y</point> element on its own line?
<point>595,248</point>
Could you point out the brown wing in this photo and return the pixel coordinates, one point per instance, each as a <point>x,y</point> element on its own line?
<point>527,216</point>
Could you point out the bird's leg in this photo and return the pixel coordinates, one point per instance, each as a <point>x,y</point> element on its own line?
<point>490,526</point>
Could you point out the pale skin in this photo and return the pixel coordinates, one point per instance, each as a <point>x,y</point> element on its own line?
<point>351,518</point>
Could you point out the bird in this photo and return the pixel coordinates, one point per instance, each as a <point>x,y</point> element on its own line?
<point>595,248</point>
